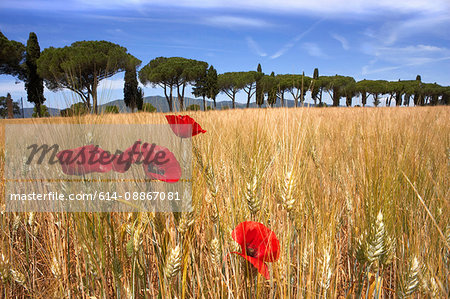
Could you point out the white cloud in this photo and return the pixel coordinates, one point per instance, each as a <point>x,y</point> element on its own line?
<point>296,39</point>
<point>386,45</point>
<point>111,84</point>
<point>367,70</point>
<point>11,87</point>
<point>255,47</point>
<point>413,54</point>
<point>342,40</point>
<point>331,7</point>
<point>313,50</point>
<point>432,25</point>
<point>319,7</point>
<point>7,85</point>
<point>233,21</point>
<point>401,57</point>
<point>283,50</point>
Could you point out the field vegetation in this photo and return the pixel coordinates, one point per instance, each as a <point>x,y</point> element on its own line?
<point>358,198</point>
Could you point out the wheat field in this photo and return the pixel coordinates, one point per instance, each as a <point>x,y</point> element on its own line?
<point>358,198</point>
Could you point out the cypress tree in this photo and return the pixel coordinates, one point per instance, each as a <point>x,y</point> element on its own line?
<point>315,87</point>
<point>140,99</point>
<point>418,97</point>
<point>34,84</point>
<point>259,88</point>
<point>272,92</point>
<point>211,84</point>
<point>132,96</point>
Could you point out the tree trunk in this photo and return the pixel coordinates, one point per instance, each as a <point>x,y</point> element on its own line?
<point>234,100</point>
<point>248,99</point>
<point>301,91</point>
<point>398,99</point>
<point>88,103</point>
<point>38,109</point>
<point>9,106</point>
<point>94,97</point>
<point>336,97</point>
<point>181,96</point>
<point>171,100</point>
<point>282,99</point>
<point>348,101</point>
<point>375,100</point>
<point>204,103</point>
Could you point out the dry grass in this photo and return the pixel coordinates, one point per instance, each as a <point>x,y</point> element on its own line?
<point>331,183</point>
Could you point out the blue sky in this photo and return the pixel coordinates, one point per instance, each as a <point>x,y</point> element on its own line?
<point>371,39</point>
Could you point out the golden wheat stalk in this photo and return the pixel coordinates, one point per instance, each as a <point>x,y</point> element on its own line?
<point>287,190</point>
<point>173,262</point>
<point>251,195</point>
<point>412,281</point>
<point>186,221</point>
<point>215,251</point>
<point>375,245</point>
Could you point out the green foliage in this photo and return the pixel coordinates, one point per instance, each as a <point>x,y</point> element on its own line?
<point>132,94</point>
<point>212,84</point>
<point>43,113</point>
<point>200,88</point>
<point>249,80</point>
<point>172,72</point>
<point>270,84</point>
<point>207,86</point>
<point>81,66</point>
<point>296,85</point>
<point>12,56</point>
<point>336,86</point>
<point>349,91</point>
<point>34,84</point>
<point>259,88</point>
<point>140,98</point>
<point>76,109</point>
<point>231,83</point>
<point>361,88</point>
<point>193,107</point>
<point>111,109</point>
<point>4,107</point>
<point>147,107</point>
<point>316,74</point>
<point>315,85</point>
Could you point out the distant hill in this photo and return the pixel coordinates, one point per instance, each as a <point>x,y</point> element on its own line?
<point>28,112</point>
<point>161,105</point>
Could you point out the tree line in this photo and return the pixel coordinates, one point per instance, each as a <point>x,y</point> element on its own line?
<point>81,66</point>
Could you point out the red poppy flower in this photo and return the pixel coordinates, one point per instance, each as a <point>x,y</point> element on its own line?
<point>159,163</point>
<point>123,161</point>
<point>85,159</point>
<point>258,244</point>
<point>176,122</point>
